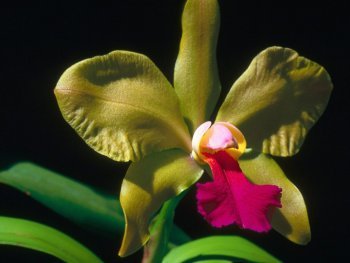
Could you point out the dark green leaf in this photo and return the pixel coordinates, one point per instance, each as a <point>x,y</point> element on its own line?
<point>75,201</point>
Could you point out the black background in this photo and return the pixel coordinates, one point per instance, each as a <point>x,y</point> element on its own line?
<point>39,42</point>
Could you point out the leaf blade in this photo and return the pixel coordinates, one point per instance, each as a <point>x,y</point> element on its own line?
<point>24,233</point>
<point>216,247</point>
<point>80,203</point>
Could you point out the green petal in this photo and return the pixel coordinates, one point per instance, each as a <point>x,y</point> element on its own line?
<point>122,106</point>
<point>28,234</point>
<point>147,185</point>
<point>291,220</point>
<point>196,77</point>
<point>277,100</point>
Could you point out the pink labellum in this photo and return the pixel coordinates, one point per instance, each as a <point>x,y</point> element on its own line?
<point>232,199</point>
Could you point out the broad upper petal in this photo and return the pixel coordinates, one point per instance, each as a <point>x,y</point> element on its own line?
<point>277,100</point>
<point>196,78</point>
<point>122,106</point>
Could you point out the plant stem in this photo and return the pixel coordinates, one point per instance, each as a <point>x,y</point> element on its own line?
<point>158,245</point>
<point>178,236</point>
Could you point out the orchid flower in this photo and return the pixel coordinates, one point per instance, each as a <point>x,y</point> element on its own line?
<point>124,108</point>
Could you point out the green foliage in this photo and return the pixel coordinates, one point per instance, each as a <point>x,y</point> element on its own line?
<point>24,233</point>
<point>82,204</point>
<point>219,249</point>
